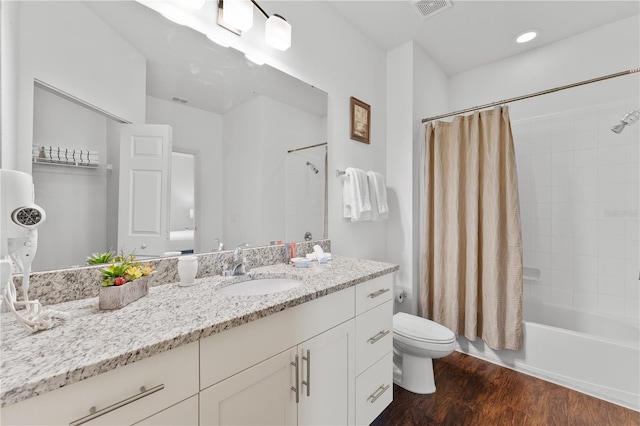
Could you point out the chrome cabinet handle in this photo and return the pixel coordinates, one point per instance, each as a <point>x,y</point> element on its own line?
<point>93,413</point>
<point>308,382</point>
<point>378,393</point>
<point>295,388</point>
<point>378,293</point>
<point>378,336</point>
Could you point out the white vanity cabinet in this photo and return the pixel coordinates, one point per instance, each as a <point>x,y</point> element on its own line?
<point>122,396</point>
<point>374,348</point>
<point>309,382</point>
<point>326,361</point>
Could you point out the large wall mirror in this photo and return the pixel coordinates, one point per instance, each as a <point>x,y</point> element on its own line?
<point>248,142</point>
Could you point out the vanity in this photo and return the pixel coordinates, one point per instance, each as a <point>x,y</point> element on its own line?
<point>318,353</point>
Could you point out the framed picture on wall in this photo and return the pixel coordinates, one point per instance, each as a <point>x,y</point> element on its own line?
<point>360,120</point>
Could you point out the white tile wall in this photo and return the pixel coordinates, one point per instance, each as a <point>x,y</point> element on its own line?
<point>579,201</point>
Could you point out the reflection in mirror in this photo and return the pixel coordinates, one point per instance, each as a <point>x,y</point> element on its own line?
<point>238,119</point>
<point>182,232</point>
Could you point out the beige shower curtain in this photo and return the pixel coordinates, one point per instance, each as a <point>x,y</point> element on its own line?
<point>471,250</point>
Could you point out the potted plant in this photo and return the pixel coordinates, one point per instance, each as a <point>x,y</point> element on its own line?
<point>123,281</point>
<point>100,258</point>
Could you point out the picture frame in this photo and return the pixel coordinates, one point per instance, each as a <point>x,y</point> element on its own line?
<point>360,121</point>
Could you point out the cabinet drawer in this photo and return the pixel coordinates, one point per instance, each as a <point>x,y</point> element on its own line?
<point>168,378</point>
<point>372,293</point>
<point>184,413</point>
<point>374,390</point>
<point>374,335</point>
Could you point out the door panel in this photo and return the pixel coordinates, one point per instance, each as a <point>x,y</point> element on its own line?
<point>260,395</point>
<point>145,186</point>
<point>328,368</point>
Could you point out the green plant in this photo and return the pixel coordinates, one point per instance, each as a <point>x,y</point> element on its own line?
<point>124,269</point>
<point>99,258</point>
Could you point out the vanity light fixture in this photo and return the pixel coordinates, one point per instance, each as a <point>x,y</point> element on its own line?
<point>527,36</point>
<point>237,16</point>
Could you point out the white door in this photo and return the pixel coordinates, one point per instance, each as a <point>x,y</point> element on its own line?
<point>144,189</point>
<point>260,395</point>
<point>328,373</point>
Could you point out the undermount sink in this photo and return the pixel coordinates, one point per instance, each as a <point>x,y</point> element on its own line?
<point>260,286</point>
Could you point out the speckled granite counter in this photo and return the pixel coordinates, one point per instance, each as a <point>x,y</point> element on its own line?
<point>94,341</point>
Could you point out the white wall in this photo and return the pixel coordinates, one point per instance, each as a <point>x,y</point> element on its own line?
<point>416,88</point>
<point>305,193</point>
<point>199,132</point>
<point>338,59</point>
<point>9,83</point>
<point>572,170</point>
<point>103,70</point>
<point>74,199</point>
<point>182,191</point>
<point>257,136</point>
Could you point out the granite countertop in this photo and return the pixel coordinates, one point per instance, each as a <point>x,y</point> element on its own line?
<point>94,341</point>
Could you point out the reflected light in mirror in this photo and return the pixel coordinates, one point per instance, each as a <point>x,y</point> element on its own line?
<point>277,32</point>
<point>238,14</point>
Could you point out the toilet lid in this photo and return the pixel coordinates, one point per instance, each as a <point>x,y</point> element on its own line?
<point>417,328</point>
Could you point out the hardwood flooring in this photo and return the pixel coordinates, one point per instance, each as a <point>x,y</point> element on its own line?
<point>471,391</point>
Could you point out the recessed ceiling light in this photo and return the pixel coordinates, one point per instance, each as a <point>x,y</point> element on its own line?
<point>527,36</point>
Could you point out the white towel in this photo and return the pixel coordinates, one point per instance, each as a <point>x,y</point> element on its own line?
<point>378,197</point>
<point>355,193</point>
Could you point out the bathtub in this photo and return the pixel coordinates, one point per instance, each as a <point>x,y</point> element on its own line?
<point>593,354</point>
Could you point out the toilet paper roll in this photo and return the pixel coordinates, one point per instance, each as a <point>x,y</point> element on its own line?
<point>400,295</point>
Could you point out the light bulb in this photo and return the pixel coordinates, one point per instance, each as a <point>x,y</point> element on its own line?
<point>238,14</point>
<point>277,32</point>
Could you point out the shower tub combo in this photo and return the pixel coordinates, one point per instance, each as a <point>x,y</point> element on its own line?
<point>593,354</point>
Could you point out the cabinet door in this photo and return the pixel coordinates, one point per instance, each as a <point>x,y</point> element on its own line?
<point>327,375</point>
<point>260,395</point>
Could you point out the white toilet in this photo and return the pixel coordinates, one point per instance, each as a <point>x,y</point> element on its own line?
<point>416,341</point>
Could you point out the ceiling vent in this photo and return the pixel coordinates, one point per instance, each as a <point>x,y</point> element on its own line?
<point>179,100</point>
<point>428,8</point>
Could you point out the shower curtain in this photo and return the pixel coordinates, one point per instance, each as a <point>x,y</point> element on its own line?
<point>471,249</point>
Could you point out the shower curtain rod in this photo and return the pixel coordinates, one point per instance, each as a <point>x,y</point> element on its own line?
<point>306,147</point>
<point>532,95</point>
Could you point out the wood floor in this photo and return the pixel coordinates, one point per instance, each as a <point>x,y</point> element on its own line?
<point>471,391</point>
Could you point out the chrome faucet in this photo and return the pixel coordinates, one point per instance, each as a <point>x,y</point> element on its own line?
<point>220,245</point>
<point>238,266</point>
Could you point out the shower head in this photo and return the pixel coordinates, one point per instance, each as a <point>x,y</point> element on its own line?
<point>312,167</point>
<point>628,119</point>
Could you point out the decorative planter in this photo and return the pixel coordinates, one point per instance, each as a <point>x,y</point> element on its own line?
<point>116,297</point>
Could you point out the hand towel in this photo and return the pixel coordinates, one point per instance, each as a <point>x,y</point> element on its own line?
<point>355,193</point>
<point>378,197</point>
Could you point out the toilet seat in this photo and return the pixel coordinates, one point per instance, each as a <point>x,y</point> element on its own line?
<point>421,329</point>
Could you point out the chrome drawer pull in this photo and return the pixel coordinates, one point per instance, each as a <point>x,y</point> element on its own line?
<point>295,388</point>
<point>378,293</point>
<point>378,393</point>
<point>378,336</point>
<point>95,414</point>
<point>308,382</point>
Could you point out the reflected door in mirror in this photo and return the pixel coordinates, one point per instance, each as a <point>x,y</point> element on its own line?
<point>145,183</point>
